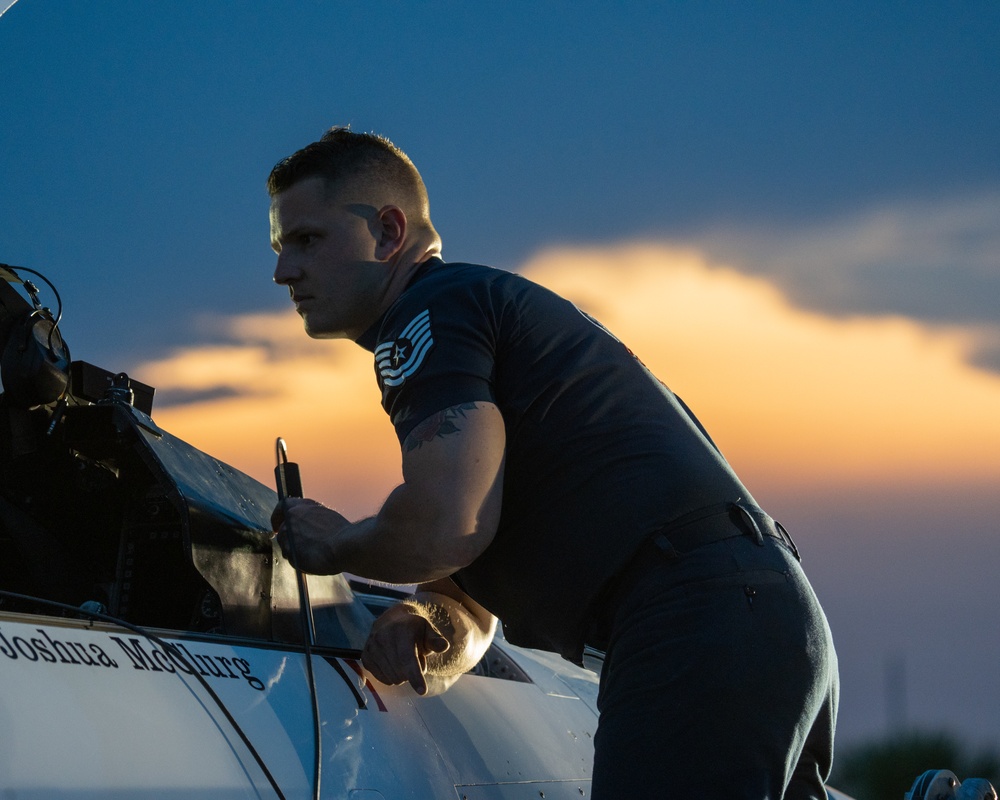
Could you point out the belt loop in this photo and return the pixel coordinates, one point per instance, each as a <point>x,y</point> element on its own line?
<point>662,543</point>
<point>787,537</point>
<point>742,513</point>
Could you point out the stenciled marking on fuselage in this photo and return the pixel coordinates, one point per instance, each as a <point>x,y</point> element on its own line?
<point>54,651</point>
<point>46,649</point>
<point>175,657</point>
<point>178,657</point>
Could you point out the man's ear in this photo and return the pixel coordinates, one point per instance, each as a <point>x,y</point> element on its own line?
<point>390,232</point>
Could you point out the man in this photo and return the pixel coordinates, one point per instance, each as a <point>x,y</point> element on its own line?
<point>551,481</point>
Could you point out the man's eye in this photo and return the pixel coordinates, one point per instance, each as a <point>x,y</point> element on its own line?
<point>307,239</point>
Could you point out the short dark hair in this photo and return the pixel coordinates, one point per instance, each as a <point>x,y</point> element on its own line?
<point>343,154</point>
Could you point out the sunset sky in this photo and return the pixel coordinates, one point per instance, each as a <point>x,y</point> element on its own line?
<point>789,211</point>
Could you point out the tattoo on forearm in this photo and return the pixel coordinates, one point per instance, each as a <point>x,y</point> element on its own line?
<point>437,426</point>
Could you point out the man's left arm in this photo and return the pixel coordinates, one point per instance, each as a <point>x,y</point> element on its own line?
<point>429,639</point>
<point>443,515</point>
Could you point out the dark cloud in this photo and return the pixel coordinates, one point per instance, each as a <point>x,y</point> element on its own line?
<point>935,262</point>
<point>987,355</point>
<point>169,398</point>
<point>535,124</point>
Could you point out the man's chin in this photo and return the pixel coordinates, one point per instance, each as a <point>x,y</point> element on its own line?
<point>321,334</point>
<point>317,331</point>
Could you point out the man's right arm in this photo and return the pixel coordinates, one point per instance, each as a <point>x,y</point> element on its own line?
<point>439,520</point>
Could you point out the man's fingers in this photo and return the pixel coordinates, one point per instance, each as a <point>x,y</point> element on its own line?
<point>394,674</point>
<point>434,642</point>
<point>397,652</point>
<point>290,505</point>
<point>282,539</point>
<point>306,530</point>
<point>419,683</point>
<point>378,671</point>
<point>277,517</point>
<point>417,670</point>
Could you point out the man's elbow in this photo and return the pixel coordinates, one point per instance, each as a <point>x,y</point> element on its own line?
<point>459,547</point>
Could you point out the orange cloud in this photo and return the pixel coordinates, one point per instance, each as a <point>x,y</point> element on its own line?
<point>793,398</point>
<point>791,395</point>
<point>320,396</point>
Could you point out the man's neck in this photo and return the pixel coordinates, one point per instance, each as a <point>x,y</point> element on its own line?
<point>406,265</point>
<point>407,261</point>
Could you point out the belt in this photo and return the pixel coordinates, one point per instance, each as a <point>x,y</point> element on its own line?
<point>713,524</point>
<point>688,532</point>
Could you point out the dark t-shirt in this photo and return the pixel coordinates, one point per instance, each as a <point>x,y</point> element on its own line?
<point>599,452</point>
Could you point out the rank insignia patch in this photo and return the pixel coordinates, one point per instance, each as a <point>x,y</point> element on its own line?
<point>397,359</point>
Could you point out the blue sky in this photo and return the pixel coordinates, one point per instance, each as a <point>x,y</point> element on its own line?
<point>845,152</point>
<point>139,136</point>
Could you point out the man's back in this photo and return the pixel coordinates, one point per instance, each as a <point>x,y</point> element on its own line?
<point>599,452</point>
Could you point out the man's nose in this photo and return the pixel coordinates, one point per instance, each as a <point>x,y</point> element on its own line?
<point>285,271</point>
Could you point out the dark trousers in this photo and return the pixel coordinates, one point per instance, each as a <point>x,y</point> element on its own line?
<point>720,680</point>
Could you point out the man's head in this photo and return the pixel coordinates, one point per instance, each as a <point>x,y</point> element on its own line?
<point>350,221</point>
<point>364,161</point>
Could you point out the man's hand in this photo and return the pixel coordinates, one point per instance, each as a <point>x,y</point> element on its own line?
<point>399,644</point>
<point>314,527</point>
<point>429,639</point>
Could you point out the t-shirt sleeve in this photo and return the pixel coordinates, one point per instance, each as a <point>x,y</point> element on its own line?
<point>435,355</point>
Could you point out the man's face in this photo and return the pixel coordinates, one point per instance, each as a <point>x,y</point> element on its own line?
<point>326,258</point>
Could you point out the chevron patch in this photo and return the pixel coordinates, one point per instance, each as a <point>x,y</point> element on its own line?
<point>397,359</point>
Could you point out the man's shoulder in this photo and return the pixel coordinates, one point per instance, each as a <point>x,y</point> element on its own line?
<point>454,283</point>
<point>462,294</point>
<point>458,272</point>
